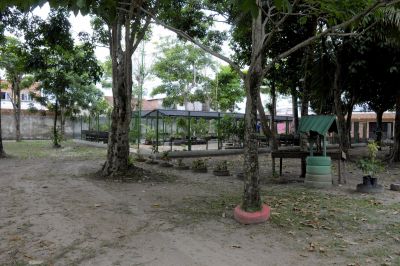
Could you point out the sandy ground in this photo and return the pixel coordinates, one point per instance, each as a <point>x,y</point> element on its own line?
<point>54,212</point>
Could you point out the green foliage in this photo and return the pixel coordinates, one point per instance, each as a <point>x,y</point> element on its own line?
<point>371,166</point>
<point>230,127</point>
<point>199,164</point>
<point>199,128</point>
<point>56,136</point>
<point>222,166</point>
<point>181,68</point>
<point>227,90</point>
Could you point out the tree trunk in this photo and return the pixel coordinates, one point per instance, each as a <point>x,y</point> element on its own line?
<point>2,153</point>
<point>16,102</point>
<point>295,110</point>
<point>251,195</point>
<point>118,143</point>
<point>263,118</point>
<point>348,122</point>
<point>274,141</point>
<point>62,122</point>
<point>337,93</point>
<point>395,156</point>
<point>306,93</point>
<point>379,118</point>
<point>56,144</point>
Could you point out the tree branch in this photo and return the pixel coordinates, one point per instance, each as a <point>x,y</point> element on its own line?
<point>329,31</point>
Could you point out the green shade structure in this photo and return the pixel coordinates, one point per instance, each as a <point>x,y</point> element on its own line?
<point>320,124</point>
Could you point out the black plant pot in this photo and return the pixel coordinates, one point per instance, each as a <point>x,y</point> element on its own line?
<point>369,185</point>
<point>182,167</point>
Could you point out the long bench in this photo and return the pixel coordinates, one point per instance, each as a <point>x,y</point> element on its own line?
<point>99,136</point>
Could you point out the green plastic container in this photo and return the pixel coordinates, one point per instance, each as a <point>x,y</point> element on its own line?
<point>318,172</point>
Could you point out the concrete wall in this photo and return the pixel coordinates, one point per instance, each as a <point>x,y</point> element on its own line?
<point>37,126</point>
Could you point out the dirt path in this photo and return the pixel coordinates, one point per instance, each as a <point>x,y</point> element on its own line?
<point>54,212</point>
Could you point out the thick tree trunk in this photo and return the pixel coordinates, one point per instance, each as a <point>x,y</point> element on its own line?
<point>379,119</point>
<point>118,143</point>
<point>395,156</point>
<point>295,110</point>
<point>251,195</point>
<point>2,153</point>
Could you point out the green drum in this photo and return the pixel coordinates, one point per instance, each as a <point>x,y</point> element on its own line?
<point>318,172</point>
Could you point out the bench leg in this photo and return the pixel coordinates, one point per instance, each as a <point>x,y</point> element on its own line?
<point>280,166</point>
<point>273,166</point>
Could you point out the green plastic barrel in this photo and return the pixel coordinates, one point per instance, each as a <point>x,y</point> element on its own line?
<point>318,172</point>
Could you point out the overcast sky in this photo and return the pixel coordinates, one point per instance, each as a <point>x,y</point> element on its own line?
<point>81,23</point>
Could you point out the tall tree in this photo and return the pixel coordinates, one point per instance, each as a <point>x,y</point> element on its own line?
<point>13,61</point>
<point>62,68</point>
<point>182,70</point>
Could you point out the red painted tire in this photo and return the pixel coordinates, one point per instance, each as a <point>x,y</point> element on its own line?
<point>244,217</point>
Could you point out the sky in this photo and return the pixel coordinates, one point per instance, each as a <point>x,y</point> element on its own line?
<point>81,23</point>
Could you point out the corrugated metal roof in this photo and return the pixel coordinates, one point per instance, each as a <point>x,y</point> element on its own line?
<point>318,123</point>
<point>199,114</point>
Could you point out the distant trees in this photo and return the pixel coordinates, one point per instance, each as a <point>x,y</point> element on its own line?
<point>182,69</point>
<point>65,71</point>
<point>13,59</point>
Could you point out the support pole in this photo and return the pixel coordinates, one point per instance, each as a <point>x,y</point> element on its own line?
<point>98,127</point>
<point>189,134</point>
<point>157,131</point>
<point>219,131</point>
<point>324,146</point>
<point>81,126</point>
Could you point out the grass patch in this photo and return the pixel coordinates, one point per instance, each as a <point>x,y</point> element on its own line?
<point>33,149</point>
<point>341,224</point>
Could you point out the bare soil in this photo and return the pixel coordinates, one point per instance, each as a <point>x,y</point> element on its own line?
<point>56,211</point>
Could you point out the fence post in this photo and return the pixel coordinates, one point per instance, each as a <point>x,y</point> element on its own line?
<point>189,134</point>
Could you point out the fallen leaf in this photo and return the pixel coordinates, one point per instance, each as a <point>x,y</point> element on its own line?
<point>223,215</point>
<point>97,205</point>
<point>322,250</point>
<point>156,205</point>
<point>303,255</point>
<point>350,242</point>
<point>236,246</point>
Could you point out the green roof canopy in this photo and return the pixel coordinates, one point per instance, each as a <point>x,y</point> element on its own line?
<point>318,124</point>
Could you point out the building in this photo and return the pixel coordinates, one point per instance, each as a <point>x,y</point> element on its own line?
<point>27,101</point>
<point>363,126</point>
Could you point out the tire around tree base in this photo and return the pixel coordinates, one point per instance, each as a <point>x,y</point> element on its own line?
<point>319,160</point>
<point>244,217</point>
<point>319,178</point>
<point>369,189</point>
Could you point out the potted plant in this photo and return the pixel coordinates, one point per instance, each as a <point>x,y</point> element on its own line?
<point>199,166</point>
<point>165,159</point>
<point>221,169</point>
<point>181,165</point>
<point>370,167</point>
